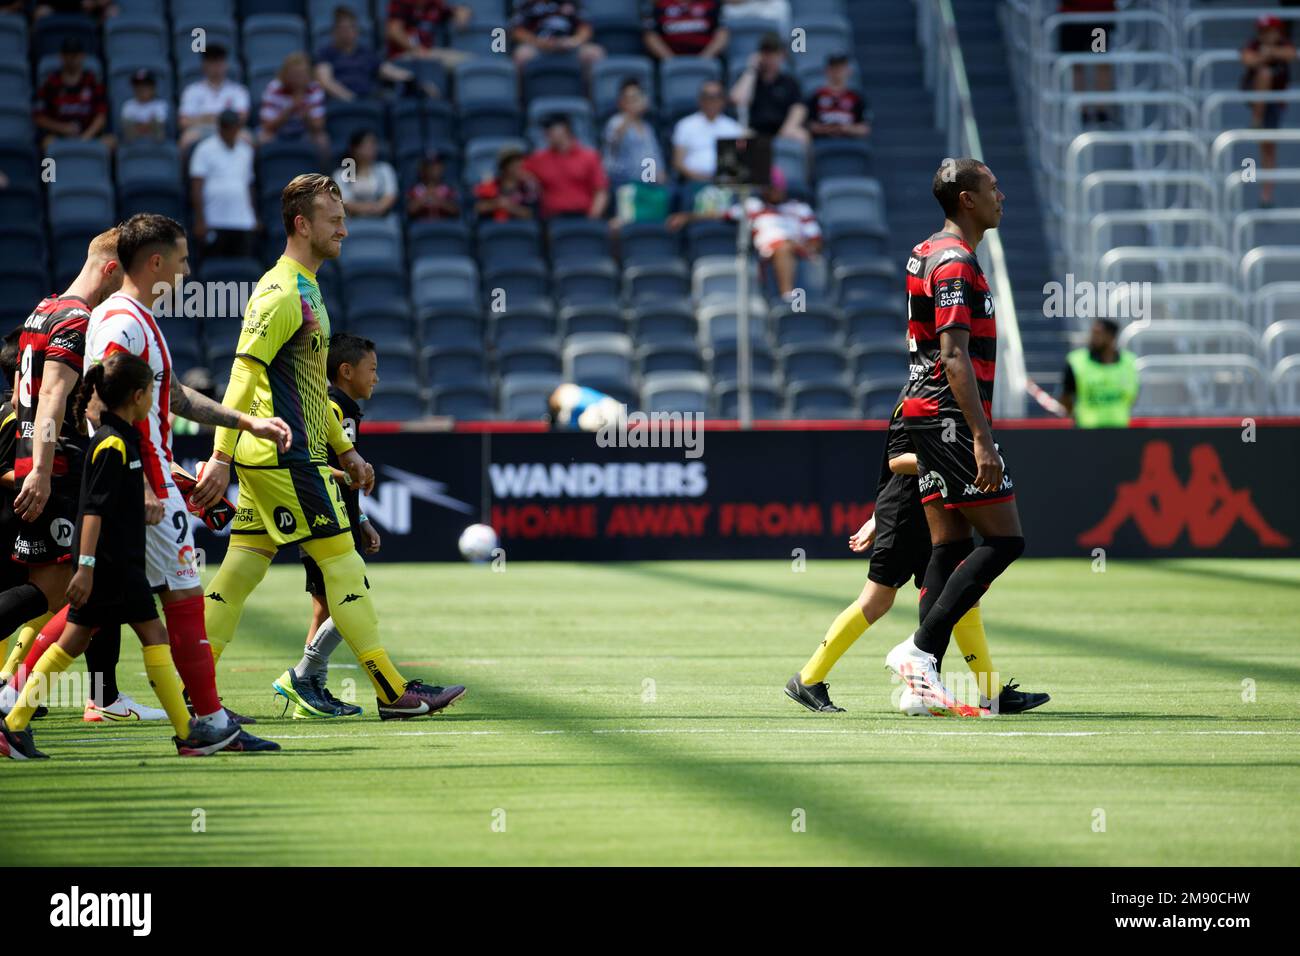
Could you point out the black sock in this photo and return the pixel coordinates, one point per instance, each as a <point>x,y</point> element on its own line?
<point>944,559</point>
<point>101,663</point>
<point>964,588</point>
<point>19,605</point>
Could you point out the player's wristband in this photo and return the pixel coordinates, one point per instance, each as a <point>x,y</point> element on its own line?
<point>363,519</point>
<point>86,561</point>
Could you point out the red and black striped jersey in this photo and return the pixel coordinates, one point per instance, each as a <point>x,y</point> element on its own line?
<point>55,332</point>
<point>946,290</point>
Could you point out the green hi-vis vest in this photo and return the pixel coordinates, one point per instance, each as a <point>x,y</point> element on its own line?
<point>1103,393</point>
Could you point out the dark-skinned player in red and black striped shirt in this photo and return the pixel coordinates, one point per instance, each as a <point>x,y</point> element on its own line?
<point>964,483</point>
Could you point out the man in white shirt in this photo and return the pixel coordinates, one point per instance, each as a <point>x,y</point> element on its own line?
<point>221,191</point>
<point>695,137</point>
<point>206,99</point>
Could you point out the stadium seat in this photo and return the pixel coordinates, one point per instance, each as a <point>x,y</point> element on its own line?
<point>373,281</point>
<point>603,362</point>
<point>397,403</point>
<point>714,277</point>
<point>78,163</point>
<point>23,241</point>
<point>877,399</point>
<point>553,75</point>
<point>342,120</point>
<point>813,363</point>
<point>450,325</point>
<point>881,363</point>
<point>678,357</point>
<point>850,201</point>
<point>389,324</point>
<point>217,31</point>
<point>594,282</point>
<point>20,290</point>
<point>746,32</point>
<point>814,324</point>
<point>502,243</point>
<point>454,364</point>
<point>486,80</point>
<point>501,121</point>
<point>438,237</point>
<point>663,323</point>
<point>710,238</point>
<point>15,87</point>
<point>13,40</point>
<point>279,162</point>
<point>522,323</point>
<point>83,202</point>
<point>537,357</point>
<point>48,34</point>
<point>441,282</point>
<point>132,36</point>
<point>619,35</point>
<point>791,158</point>
<point>148,163</point>
<point>592,317</point>
<point>471,402</point>
<point>163,197</point>
<point>526,396</point>
<point>521,282</point>
<point>870,322</point>
<point>477,38</point>
<point>866,281</point>
<point>576,108</point>
<point>824,35</point>
<point>765,397</point>
<point>643,243</point>
<point>663,280</point>
<point>821,400</point>
<point>680,79</point>
<point>574,241</point>
<point>16,124</point>
<point>685,392</point>
<point>850,242</point>
<point>719,322</point>
<point>270,37</point>
<point>726,361</point>
<point>373,239</point>
<point>607,78</point>
<point>397,363</point>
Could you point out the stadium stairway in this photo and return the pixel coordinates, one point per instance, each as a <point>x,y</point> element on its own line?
<point>1024,238</point>
<point>904,139</point>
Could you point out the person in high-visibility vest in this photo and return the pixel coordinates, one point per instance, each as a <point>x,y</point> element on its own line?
<point>1101,381</point>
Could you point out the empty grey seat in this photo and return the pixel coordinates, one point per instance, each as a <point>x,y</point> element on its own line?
<point>444,281</point>
<point>686,392</point>
<point>678,357</point>
<point>454,364</point>
<point>821,400</point>
<point>270,37</point>
<point>598,360</point>
<point>813,363</point>
<point>525,396</point>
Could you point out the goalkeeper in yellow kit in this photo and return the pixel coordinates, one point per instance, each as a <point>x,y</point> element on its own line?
<point>291,497</point>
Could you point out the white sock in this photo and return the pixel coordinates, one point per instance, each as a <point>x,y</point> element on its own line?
<point>217,719</point>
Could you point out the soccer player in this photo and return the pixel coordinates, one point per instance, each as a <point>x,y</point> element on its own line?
<point>290,496</point>
<point>110,586</point>
<point>901,539</point>
<point>154,255</point>
<point>353,369</point>
<point>947,405</point>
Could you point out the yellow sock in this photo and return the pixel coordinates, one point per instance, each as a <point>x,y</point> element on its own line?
<point>353,611</point>
<point>240,572</point>
<point>974,647</point>
<point>166,686</point>
<point>24,641</point>
<point>53,662</point>
<point>844,630</point>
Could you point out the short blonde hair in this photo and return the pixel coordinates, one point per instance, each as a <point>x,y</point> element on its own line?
<point>299,196</point>
<point>104,245</point>
<point>295,58</point>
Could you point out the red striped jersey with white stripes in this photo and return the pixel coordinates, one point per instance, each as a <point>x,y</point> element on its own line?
<point>123,324</point>
<point>946,290</point>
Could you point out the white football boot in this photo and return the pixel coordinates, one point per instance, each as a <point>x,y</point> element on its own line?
<point>917,670</point>
<point>124,708</point>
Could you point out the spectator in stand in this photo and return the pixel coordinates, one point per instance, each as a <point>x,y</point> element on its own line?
<point>431,198</point>
<point>1267,58</point>
<point>695,137</point>
<point>834,110</point>
<point>293,106</point>
<point>571,176</point>
<point>778,11</point>
<point>206,99</point>
<point>691,28</point>
<point>784,230</point>
<point>552,26</point>
<point>71,102</point>
<point>144,116</point>
<point>1100,383</point>
<point>512,194</point>
<point>769,96</point>
<point>349,70</point>
<point>1080,38</point>
<point>632,153</point>
<point>368,184</point>
<point>222,191</point>
<point>416,29</point>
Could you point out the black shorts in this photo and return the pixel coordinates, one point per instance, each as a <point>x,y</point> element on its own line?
<point>947,469</point>
<point>120,595</point>
<point>48,539</point>
<point>1077,37</point>
<point>902,547</point>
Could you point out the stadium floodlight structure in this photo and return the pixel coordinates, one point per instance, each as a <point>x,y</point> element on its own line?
<point>945,75</point>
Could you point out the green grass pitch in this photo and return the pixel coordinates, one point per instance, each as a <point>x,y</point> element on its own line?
<point>634,714</point>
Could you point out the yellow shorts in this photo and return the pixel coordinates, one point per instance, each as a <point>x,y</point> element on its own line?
<point>290,504</point>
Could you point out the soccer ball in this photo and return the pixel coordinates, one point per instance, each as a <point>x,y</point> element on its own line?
<point>477,542</point>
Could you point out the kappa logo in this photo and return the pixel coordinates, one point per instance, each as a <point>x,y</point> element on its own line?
<point>1162,507</point>
<point>321,521</point>
<point>350,598</point>
<point>215,596</point>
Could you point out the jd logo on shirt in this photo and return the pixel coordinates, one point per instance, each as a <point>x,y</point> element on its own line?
<point>284,519</point>
<point>61,531</point>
